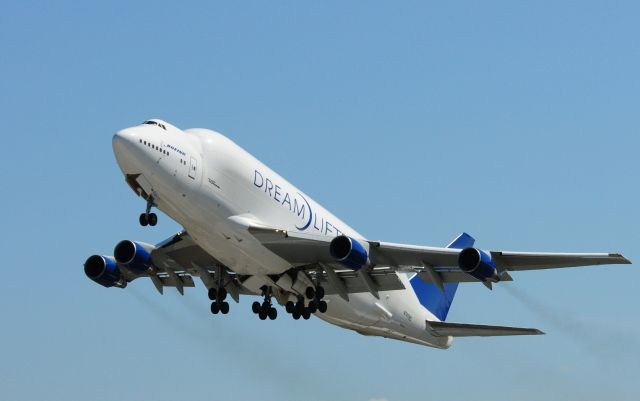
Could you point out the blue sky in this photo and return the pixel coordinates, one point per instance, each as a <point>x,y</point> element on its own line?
<point>516,122</point>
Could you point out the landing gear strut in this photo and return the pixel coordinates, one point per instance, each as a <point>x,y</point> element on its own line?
<point>148,218</point>
<point>265,309</point>
<point>218,296</point>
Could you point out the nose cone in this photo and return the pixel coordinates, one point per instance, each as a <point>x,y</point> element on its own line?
<point>124,147</point>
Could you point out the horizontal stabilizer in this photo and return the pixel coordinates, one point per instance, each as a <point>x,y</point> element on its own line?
<point>443,329</point>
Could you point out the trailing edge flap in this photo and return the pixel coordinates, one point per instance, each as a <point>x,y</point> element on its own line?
<point>443,329</point>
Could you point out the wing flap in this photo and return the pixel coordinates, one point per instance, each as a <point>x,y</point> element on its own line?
<point>443,329</point>
<point>382,279</point>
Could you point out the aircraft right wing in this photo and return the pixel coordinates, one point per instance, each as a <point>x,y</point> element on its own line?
<point>433,264</point>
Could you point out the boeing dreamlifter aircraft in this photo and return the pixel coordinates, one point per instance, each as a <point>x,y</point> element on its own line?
<point>248,231</point>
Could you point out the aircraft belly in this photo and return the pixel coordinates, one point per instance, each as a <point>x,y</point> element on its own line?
<point>393,316</point>
<point>234,247</point>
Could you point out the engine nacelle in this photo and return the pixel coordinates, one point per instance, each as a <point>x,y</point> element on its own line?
<point>135,255</point>
<point>104,271</point>
<point>349,252</point>
<point>478,264</point>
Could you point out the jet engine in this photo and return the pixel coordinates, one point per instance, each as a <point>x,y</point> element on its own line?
<point>135,255</point>
<point>104,271</point>
<point>349,252</point>
<point>478,264</point>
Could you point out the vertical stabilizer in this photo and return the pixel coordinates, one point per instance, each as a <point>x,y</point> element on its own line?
<point>430,296</point>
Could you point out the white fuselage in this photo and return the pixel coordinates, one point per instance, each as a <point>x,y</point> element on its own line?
<point>215,190</point>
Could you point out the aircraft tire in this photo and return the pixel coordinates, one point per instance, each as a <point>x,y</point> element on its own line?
<point>143,220</point>
<point>255,307</point>
<point>289,306</point>
<point>224,307</point>
<point>310,293</point>
<point>313,306</point>
<point>153,219</point>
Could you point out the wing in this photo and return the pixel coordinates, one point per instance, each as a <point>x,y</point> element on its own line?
<point>407,255</point>
<point>178,259</point>
<point>432,263</point>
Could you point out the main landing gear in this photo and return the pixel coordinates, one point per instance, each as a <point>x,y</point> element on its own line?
<point>148,218</point>
<point>316,304</point>
<point>218,296</point>
<point>265,309</point>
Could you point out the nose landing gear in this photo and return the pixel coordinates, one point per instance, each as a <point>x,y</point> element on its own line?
<point>148,218</point>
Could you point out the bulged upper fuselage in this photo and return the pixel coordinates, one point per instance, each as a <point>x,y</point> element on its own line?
<point>215,190</point>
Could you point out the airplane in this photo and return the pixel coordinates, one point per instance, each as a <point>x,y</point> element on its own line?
<point>248,231</point>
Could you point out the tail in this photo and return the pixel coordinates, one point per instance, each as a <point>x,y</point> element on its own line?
<point>436,301</point>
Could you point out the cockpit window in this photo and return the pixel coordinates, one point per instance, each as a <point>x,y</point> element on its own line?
<point>151,122</point>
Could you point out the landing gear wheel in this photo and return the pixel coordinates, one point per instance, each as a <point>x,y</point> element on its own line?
<point>222,294</point>
<point>148,218</point>
<point>320,292</point>
<point>264,308</point>
<point>322,306</point>
<point>295,314</point>
<point>215,308</point>
<point>310,293</point>
<point>313,306</point>
<point>153,219</point>
<point>224,307</point>
<point>262,315</point>
<point>289,306</point>
<point>273,313</point>
<point>213,293</point>
<point>306,314</point>
<point>255,307</point>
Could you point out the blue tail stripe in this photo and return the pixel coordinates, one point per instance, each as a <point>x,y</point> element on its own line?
<point>430,296</point>
<point>464,240</point>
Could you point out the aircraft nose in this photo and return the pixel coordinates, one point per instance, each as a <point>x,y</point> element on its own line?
<point>123,138</point>
<point>124,147</point>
